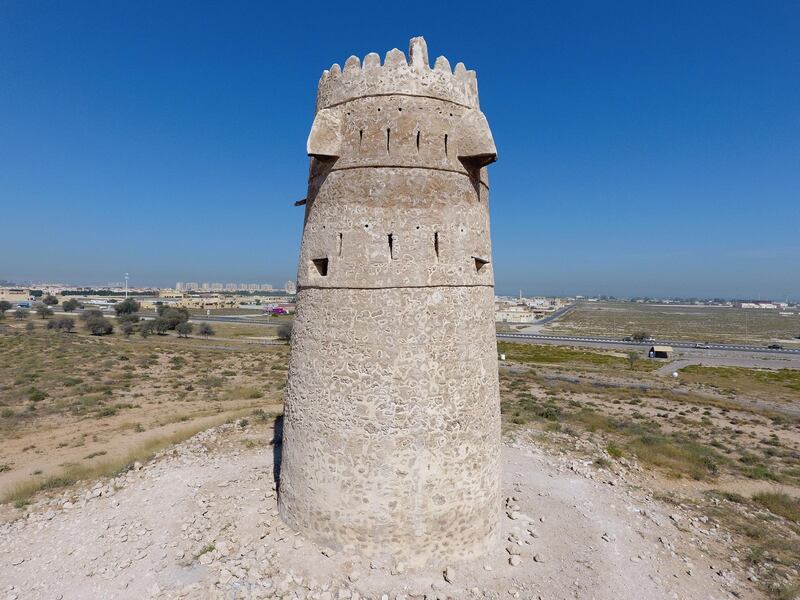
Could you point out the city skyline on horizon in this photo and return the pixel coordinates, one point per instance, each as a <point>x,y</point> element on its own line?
<point>527,291</point>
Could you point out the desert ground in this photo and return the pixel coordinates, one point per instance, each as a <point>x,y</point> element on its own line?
<point>713,324</point>
<point>145,468</point>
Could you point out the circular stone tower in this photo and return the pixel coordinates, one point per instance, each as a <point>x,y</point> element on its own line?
<point>391,439</point>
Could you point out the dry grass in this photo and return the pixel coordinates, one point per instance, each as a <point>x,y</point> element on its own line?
<point>695,323</point>
<point>683,433</point>
<point>561,355</point>
<point>64,397</point>
<point>23,492</point>
<point>780,504</point>
<point>770,547</point>
<point>782,384</point>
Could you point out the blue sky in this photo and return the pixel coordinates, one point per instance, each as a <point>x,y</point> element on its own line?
<point>645,148</point>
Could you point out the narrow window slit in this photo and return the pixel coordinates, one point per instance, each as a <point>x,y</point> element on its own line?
<point>340,244</point>
<point>391,245</point>
<point>436,243</point>
<point>445,144</point>
<point>360,136</point>
<point>418,141</point>
<point>388,135</point>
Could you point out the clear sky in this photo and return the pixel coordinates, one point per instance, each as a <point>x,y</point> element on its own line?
<point>645,148</point>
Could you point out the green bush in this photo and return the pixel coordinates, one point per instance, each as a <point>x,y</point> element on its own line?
<point>205,330</point>
<point>36,395</point>
<point>99,326</point>
<point>127,307</point>
<point>63,324</point>
<point>70,305</point>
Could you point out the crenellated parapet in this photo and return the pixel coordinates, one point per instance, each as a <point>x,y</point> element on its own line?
<point>401,114</point>
<point>398,75</point>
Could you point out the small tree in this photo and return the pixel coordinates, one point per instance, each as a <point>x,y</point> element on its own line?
<point>205,330</point>
<point>183,329</point>
<point>146,328</point>
<point>640,336</point>
<point>132,319</point>
<point>20,314</point>
<point>50,300</point>
<point>172,316</point>
<point>44,311</point>
<point>632,358</point>
<point>63,324</point>
<point>161,325</point>
<point>126,328</point>
<point>127,307</point>
<point>99,326</point>
<point>70,305</point>
<point>285,331</point>
<point>4,306</point>
<point>92,313</point>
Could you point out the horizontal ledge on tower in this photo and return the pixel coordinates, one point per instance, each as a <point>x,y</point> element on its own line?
<point>395,287</point>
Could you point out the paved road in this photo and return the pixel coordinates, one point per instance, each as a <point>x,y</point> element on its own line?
<point>536,326</point>
<point>247,319</point>
<point>242,319</point>
<point>793,353</point>
<point>564,339</point>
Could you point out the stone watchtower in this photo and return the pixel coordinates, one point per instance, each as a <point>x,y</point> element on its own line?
<point>392,422</point>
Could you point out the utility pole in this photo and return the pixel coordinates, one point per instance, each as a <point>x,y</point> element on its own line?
<point>126,286</point>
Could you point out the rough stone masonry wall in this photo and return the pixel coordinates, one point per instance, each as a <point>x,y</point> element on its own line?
<point>391,432</point>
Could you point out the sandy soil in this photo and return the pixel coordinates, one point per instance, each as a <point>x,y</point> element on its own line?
<point>200,521</point>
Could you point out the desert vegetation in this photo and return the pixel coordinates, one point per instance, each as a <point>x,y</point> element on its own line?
<point>706,438</point>
<point>75,404</point>
<point>693,323</point>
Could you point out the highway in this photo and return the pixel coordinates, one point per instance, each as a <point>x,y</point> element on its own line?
<point>522,337</point>
<point>617,342</point>
<point>556,315</point>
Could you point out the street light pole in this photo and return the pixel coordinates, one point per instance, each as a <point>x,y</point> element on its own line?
<point>126,286</point>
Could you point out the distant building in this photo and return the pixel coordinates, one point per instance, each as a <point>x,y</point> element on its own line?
<point>755,304</point>
<point>660,352</point>
<point>217,287</point>
<point>14,295</point>
<point>180,286</point>
<point>206,287</point>
<point>191,286</point>
<point>290,287</point>
<point>231,287</point>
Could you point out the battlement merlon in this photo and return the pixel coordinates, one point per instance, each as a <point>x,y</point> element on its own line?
<point>398,76</point>
<point>466,134</point>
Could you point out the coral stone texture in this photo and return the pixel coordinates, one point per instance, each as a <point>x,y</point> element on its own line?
<point>392,420</point>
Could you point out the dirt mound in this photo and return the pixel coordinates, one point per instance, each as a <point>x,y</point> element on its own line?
<point>200,521</point>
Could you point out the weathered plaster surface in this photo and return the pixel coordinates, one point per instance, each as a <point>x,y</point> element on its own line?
<point>392,432</point>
